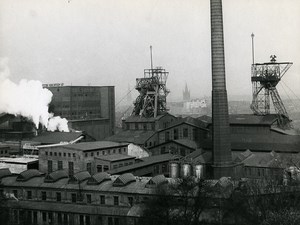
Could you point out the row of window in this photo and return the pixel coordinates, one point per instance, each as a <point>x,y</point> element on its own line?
<point>75,198</point>
<point>3,152</point>
<point>60,166</point>
<point>60,154</point>
<point>112,151</point>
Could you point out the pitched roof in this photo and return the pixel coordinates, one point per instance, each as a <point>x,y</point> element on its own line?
<point>124,179</point>
<point>79,177</point>
<point>56,137</point>
<point>249,119</point>
<point>138,137</point>
<point>157,180</point>
<point>187,120</point>
<point>28,174</point>
<point>147,161</point>
<point>134,118</point>
<point>95,145</point>
<point>98,178</point>
<point>56,175</point>
<point>4,172</point>
<point>187,143</point>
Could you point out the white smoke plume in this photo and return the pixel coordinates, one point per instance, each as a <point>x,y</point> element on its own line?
<point>27,98</point>
<point>57,123</point>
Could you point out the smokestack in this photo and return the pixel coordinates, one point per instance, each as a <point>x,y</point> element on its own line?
<point>222,159</point>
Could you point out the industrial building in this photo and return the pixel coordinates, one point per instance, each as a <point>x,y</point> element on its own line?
<point>87,108</point>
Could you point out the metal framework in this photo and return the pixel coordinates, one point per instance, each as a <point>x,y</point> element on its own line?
<point>152,93</point>
<point>264,78</point>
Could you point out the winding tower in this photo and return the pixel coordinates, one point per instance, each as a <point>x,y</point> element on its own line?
<point>264,78</point>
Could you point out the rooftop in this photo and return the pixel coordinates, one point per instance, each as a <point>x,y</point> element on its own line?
<point>56,137</point>
<point>132,136</point>
<point>96,145</point>
<point>19,160</point>
<point>115,157</point>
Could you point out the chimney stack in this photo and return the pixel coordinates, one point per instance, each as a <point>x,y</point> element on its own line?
<point>222,158</point>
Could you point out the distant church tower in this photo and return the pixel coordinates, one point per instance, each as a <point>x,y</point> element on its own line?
<point>186,95</point>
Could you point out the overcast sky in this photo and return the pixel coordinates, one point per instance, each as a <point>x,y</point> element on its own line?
<point>106,42</point>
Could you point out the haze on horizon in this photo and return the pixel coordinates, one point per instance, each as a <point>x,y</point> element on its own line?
<point>97,42</point>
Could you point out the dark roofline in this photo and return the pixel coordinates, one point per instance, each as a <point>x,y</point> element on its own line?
<point>170,141</point>
<point>132,157</point>
<point>79,86</point>
<point>95,149</point>
<point>183,122</point>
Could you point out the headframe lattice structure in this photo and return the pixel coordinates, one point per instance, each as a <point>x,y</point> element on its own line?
<point>153,93</point>
<point>264,78</point>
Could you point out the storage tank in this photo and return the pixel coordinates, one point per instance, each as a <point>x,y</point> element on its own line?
<point>199,171</point>
<point>174,170</point>
<point>186,170</point>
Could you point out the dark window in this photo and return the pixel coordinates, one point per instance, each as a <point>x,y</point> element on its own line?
<point>46,153</point>
<point>175,133</point>
<point>59,154</point>
<point>35,217</point>
<point>105,168</point>
<point>102,199</point>
<point>73,154</point>
<point>50,217</point>
<point>58,196</point>
<point>99,168</point>
<point>136,126</point>
<point>69,154</point>
<point>81,220</point>
<point>65,219</point>
<point>89,167</point>
<point>164,168</point>
<point>73,196</point>
<point>182,151</point>
<point>50,153</point>
<point>59,218</point>
<point>97,153</point>
<point>110,221</point>
<point>153,126</point>
<point>116,200</point>
<point>163,150</point>
<point>29,194</point>
<point>117,221</point>
<point>55,154</point>
<point>15,193</point>
<point>59,165</point>
<point>65,154</point>
<point>92,154</point>
<point>185,132</point>
<point>145,126</point>
<point>89,198</point>
<point>44,195</point>
<point>167,136</point>
<point>120,150</point>
<point>87,220</point>
<point>44,216</point>
<point>130,201</point>
<point>71,168</point>
<point>86,155</point>
<point>50,169</point>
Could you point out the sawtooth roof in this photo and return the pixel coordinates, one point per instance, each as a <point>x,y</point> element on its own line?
<point>56,175</point>
<point>28,174</point>
<point>124,179</point>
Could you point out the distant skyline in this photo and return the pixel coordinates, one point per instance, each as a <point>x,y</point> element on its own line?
<point>97,42</point>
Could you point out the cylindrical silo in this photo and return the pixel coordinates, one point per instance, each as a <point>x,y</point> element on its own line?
<point>174,169</point>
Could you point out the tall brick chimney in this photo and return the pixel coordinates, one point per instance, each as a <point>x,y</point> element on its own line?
<point>222,158</point>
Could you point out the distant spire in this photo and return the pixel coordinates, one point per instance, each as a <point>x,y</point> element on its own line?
<point>186,95</point>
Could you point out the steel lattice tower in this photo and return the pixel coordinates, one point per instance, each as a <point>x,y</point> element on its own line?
<point>264,78</point>
<point>152,93</point>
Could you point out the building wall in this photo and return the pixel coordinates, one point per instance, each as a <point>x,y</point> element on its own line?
<point>79,158</point>
<point>77,103</point>
<point>104,165</point>
<point>172,148</point>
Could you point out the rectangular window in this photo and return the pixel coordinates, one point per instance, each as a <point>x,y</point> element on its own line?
<point>59,165</point>
<point>44,195</point>
<point>15,192</point>
<point>46,153</point>
<point>55,154</point>
<point>29,194</point>
<point>69,154</point>
<point>102,199</point>
<point>81,220</point>
<point>50,169</point>
<point>71,168</point>
<point>99,168</point>
<point>87,220</point>
<point>167,136</point>
<point>185,132</point>
<point>59,218</point>
<point>110,221</point>
<point>44,216</point>
<point>65,219</point>
<point>105,168</point>
<point>58,196</point>
<point>175,133</point>
<point>130,201</point>
<point>50,153</point>
<point>116,200</point>
<point>88,198</point>
<point>73,196</point>
<point>50,217</point>
<point>163,150</point>
<point>89,167</point>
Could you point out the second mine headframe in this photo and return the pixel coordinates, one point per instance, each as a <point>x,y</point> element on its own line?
<point>152,98</point>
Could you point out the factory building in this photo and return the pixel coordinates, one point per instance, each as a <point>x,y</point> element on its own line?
<point>87,108</point>
<point>86,156</point>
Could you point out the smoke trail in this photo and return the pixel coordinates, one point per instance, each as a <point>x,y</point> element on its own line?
<point>27,98</point>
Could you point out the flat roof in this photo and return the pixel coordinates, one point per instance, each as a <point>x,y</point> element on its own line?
<point>95,145</point>
<point>18,160</point>
<point>115,157</point>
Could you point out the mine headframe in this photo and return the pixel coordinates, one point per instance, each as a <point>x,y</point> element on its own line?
<point>152,93</point>
<point>264,78</point>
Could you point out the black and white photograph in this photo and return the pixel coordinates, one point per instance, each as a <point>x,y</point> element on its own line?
<point>149,112</point>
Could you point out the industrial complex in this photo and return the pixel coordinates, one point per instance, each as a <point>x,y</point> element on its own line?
<point>95,175</point>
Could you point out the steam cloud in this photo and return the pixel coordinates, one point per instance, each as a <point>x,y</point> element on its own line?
<point>28,99</point>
